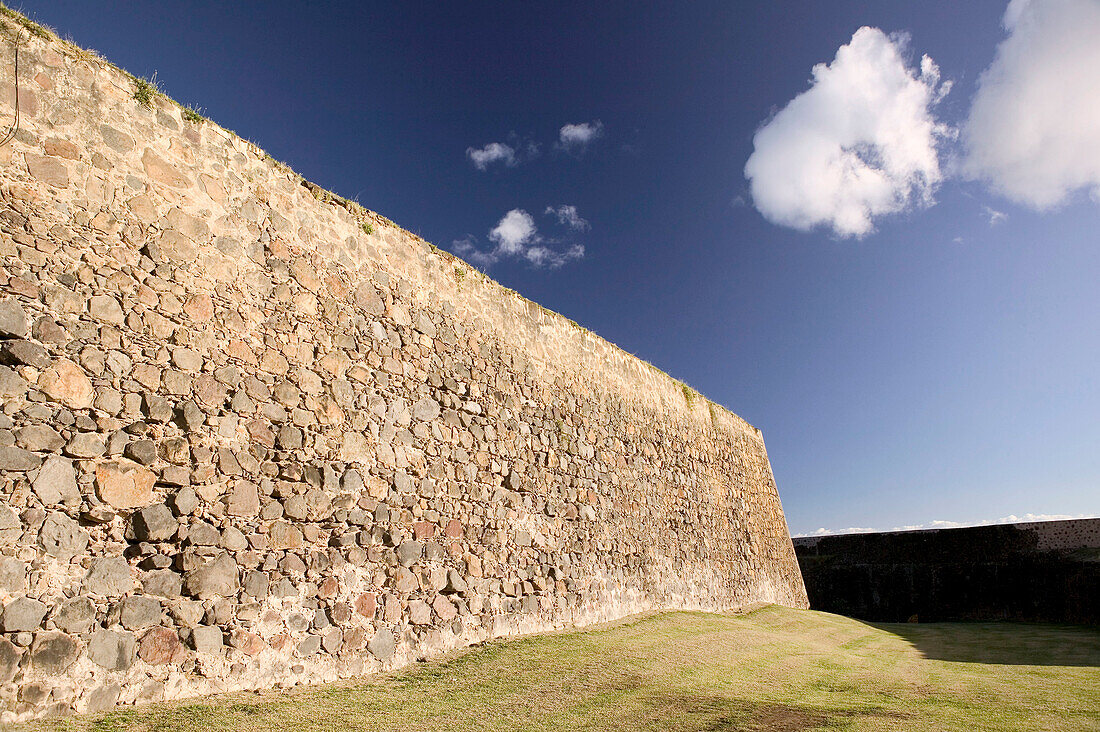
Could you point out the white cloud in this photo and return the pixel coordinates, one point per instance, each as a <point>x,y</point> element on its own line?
<point>575,138</point>
<point>941,524</point>
<point>1033,133</point>
<point>568,216</point>
<point>860,143</point>
<point>512,232</point>
<point>995,217</point>
<point>516,236</point>
<point>541,256</point>
<point>467,249</point>
<point>494,152</point>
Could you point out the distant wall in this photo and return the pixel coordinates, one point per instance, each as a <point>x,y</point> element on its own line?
<point>1047,571</point>
<point>253,435</point>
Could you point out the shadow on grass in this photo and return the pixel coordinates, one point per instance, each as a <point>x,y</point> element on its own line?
<point>722,714</point>
<point>1012,644</point>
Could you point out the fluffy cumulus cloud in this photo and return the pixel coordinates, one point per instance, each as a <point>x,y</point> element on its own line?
<point>1033,133</point>
<point>568,216</point>
<point>517,237</point>
<point>514,231</point>
<point>862,142</point>
<point>576,138</point>
<point>494,152</point>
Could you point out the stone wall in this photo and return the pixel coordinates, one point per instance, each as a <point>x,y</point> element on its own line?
<point>254,435</point>
<point>1037,571</point>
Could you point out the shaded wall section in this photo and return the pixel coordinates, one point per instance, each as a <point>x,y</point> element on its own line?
<point>255,435</point>
<point>1043,571</point>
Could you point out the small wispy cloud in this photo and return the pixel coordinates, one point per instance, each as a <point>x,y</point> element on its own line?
<point>568,216</point>
<point>995,217</point>
<point>494,152</point>
<point>941,524</point>
<point>468,249</point>
<point>516,151</point>
<point>575,138</point>
<point>516,236</point>
<point>541,256</point>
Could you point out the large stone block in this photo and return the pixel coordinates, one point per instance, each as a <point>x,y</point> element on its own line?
<point>124,484</point>
<point>66,383</point>
<point>154,523</point>
<point>113,650</point>
<point>56,482</point>
<point>13,320</point>
<point>109,577</point>
<point>22,614</point>
<point>62,537</point>
<point>217,578</point>
<point>52,652</point>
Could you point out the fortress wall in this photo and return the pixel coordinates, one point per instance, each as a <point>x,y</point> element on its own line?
<point>1034,571</point>
<point>253,436</point>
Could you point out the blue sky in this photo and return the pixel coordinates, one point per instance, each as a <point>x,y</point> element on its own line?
<point>927,351</point>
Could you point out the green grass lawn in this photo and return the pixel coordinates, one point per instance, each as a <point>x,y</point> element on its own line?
<point>772,669</point>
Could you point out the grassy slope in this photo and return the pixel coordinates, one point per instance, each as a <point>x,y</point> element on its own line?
<point>773,669</point>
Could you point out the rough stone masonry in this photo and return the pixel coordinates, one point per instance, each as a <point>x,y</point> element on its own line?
<point>255,436</point>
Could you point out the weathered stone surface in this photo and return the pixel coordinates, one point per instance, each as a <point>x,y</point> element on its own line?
<point>159,646</point>
<point>124,484</point>
<point>154,523</point>
<point>142,452</point>
<point>49,170</point>
<point>86,445</point>
<point>207,639</point>
<point>382,645</point>
<point>106,309</point>
<point>161,171</point>
<point>13,575</point>
<point>309,646</point>
<point>113,650</point>
<point>39,438</point>
<point>66,383</point>
<point>184,502</point>
<point>420,613</point>
<point>256,584</point>
<point>217,578</point>
<point>11,384</point>
<point>162,583</point>
<point>409,552</point>
<point>109,577</point>
<point>10,656</point>
<point>136,613</point>
<point>246,642</point>
<point>103,697</point>
<point>444,609</point>
<point>22,614</point>
<point>426,409</point>
<point>365,604</point>
<point>244,500</point>
<point>11,528</point>
<point>62,537</point>
<point>18,460</point>
<point>56,483</point>
<point>284,536</point>
<point>76,616</point>
<point>22,352</point>
<point>13,320</point>
<point>52,652</point>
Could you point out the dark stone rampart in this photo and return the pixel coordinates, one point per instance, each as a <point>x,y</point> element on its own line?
<point>1046,571</point>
